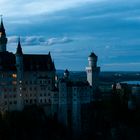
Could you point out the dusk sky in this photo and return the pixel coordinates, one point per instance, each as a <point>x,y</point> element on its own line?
<point>71,29</point>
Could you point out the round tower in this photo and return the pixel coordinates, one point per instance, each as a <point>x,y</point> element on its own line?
<point>92,59</point>
<point>66,74</point>
<point>92,70</point>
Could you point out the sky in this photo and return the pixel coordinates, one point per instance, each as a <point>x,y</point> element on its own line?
<point>71,29</point>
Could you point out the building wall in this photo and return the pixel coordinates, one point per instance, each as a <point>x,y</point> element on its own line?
<point>8,91</point>
<point>72,98</point>
<point>34,88</point>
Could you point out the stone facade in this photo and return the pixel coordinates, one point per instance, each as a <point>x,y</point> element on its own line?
<point>29,79</point>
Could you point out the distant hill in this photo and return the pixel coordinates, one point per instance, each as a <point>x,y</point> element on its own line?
<point>105,76</point>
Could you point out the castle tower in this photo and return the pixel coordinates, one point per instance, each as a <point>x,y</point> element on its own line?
<point>19,61</point>
<point>3,38</point>
<point>19,65</point>
<point>66,74</point>
<point>92,70</point>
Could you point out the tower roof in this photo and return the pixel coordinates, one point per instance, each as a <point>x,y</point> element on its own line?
<point>66,71</point>
<point>19,49</point>
<point>2,30</point>
<point>93,55</point>
<point>38,62</point>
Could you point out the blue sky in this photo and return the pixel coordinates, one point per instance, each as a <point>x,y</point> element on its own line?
<point>71,29</point>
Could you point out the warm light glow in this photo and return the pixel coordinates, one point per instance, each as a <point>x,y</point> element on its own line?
<point>14,75</point>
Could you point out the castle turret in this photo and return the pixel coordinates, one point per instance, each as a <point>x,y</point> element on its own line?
<point>92,70</point>
<point>19,66</point>
<point>19,61</point>
<point>3,38</point>
<point>66,74</point>
<point>19,49</point>
<point>92,60</point>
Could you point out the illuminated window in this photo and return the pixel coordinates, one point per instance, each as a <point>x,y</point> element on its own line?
<point>0,34</point>
<point>14,75</point>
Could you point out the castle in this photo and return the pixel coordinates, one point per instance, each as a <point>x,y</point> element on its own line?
<point>27,79</point>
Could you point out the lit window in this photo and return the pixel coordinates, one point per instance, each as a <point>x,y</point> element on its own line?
<point>14,75</point>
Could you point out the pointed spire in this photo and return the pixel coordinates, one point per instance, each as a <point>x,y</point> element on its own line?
<point>1,22</point>
<point>49,54</point>
<point>93,55</point>
<point>19,45</point>
<point>19,49</point>
<point>2,30</point>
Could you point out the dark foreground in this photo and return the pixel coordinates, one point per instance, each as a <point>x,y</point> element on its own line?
<point>109,120</point>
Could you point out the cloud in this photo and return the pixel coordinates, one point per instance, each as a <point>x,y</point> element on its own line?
<point>53,41</point>
<point>107,47</point>
<point>110,28</point>
<point>39,40</point>
<point>23,8</point>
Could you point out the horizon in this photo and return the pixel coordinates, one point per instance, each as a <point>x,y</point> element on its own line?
<point>71,29</point>
<point>100,71</point>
